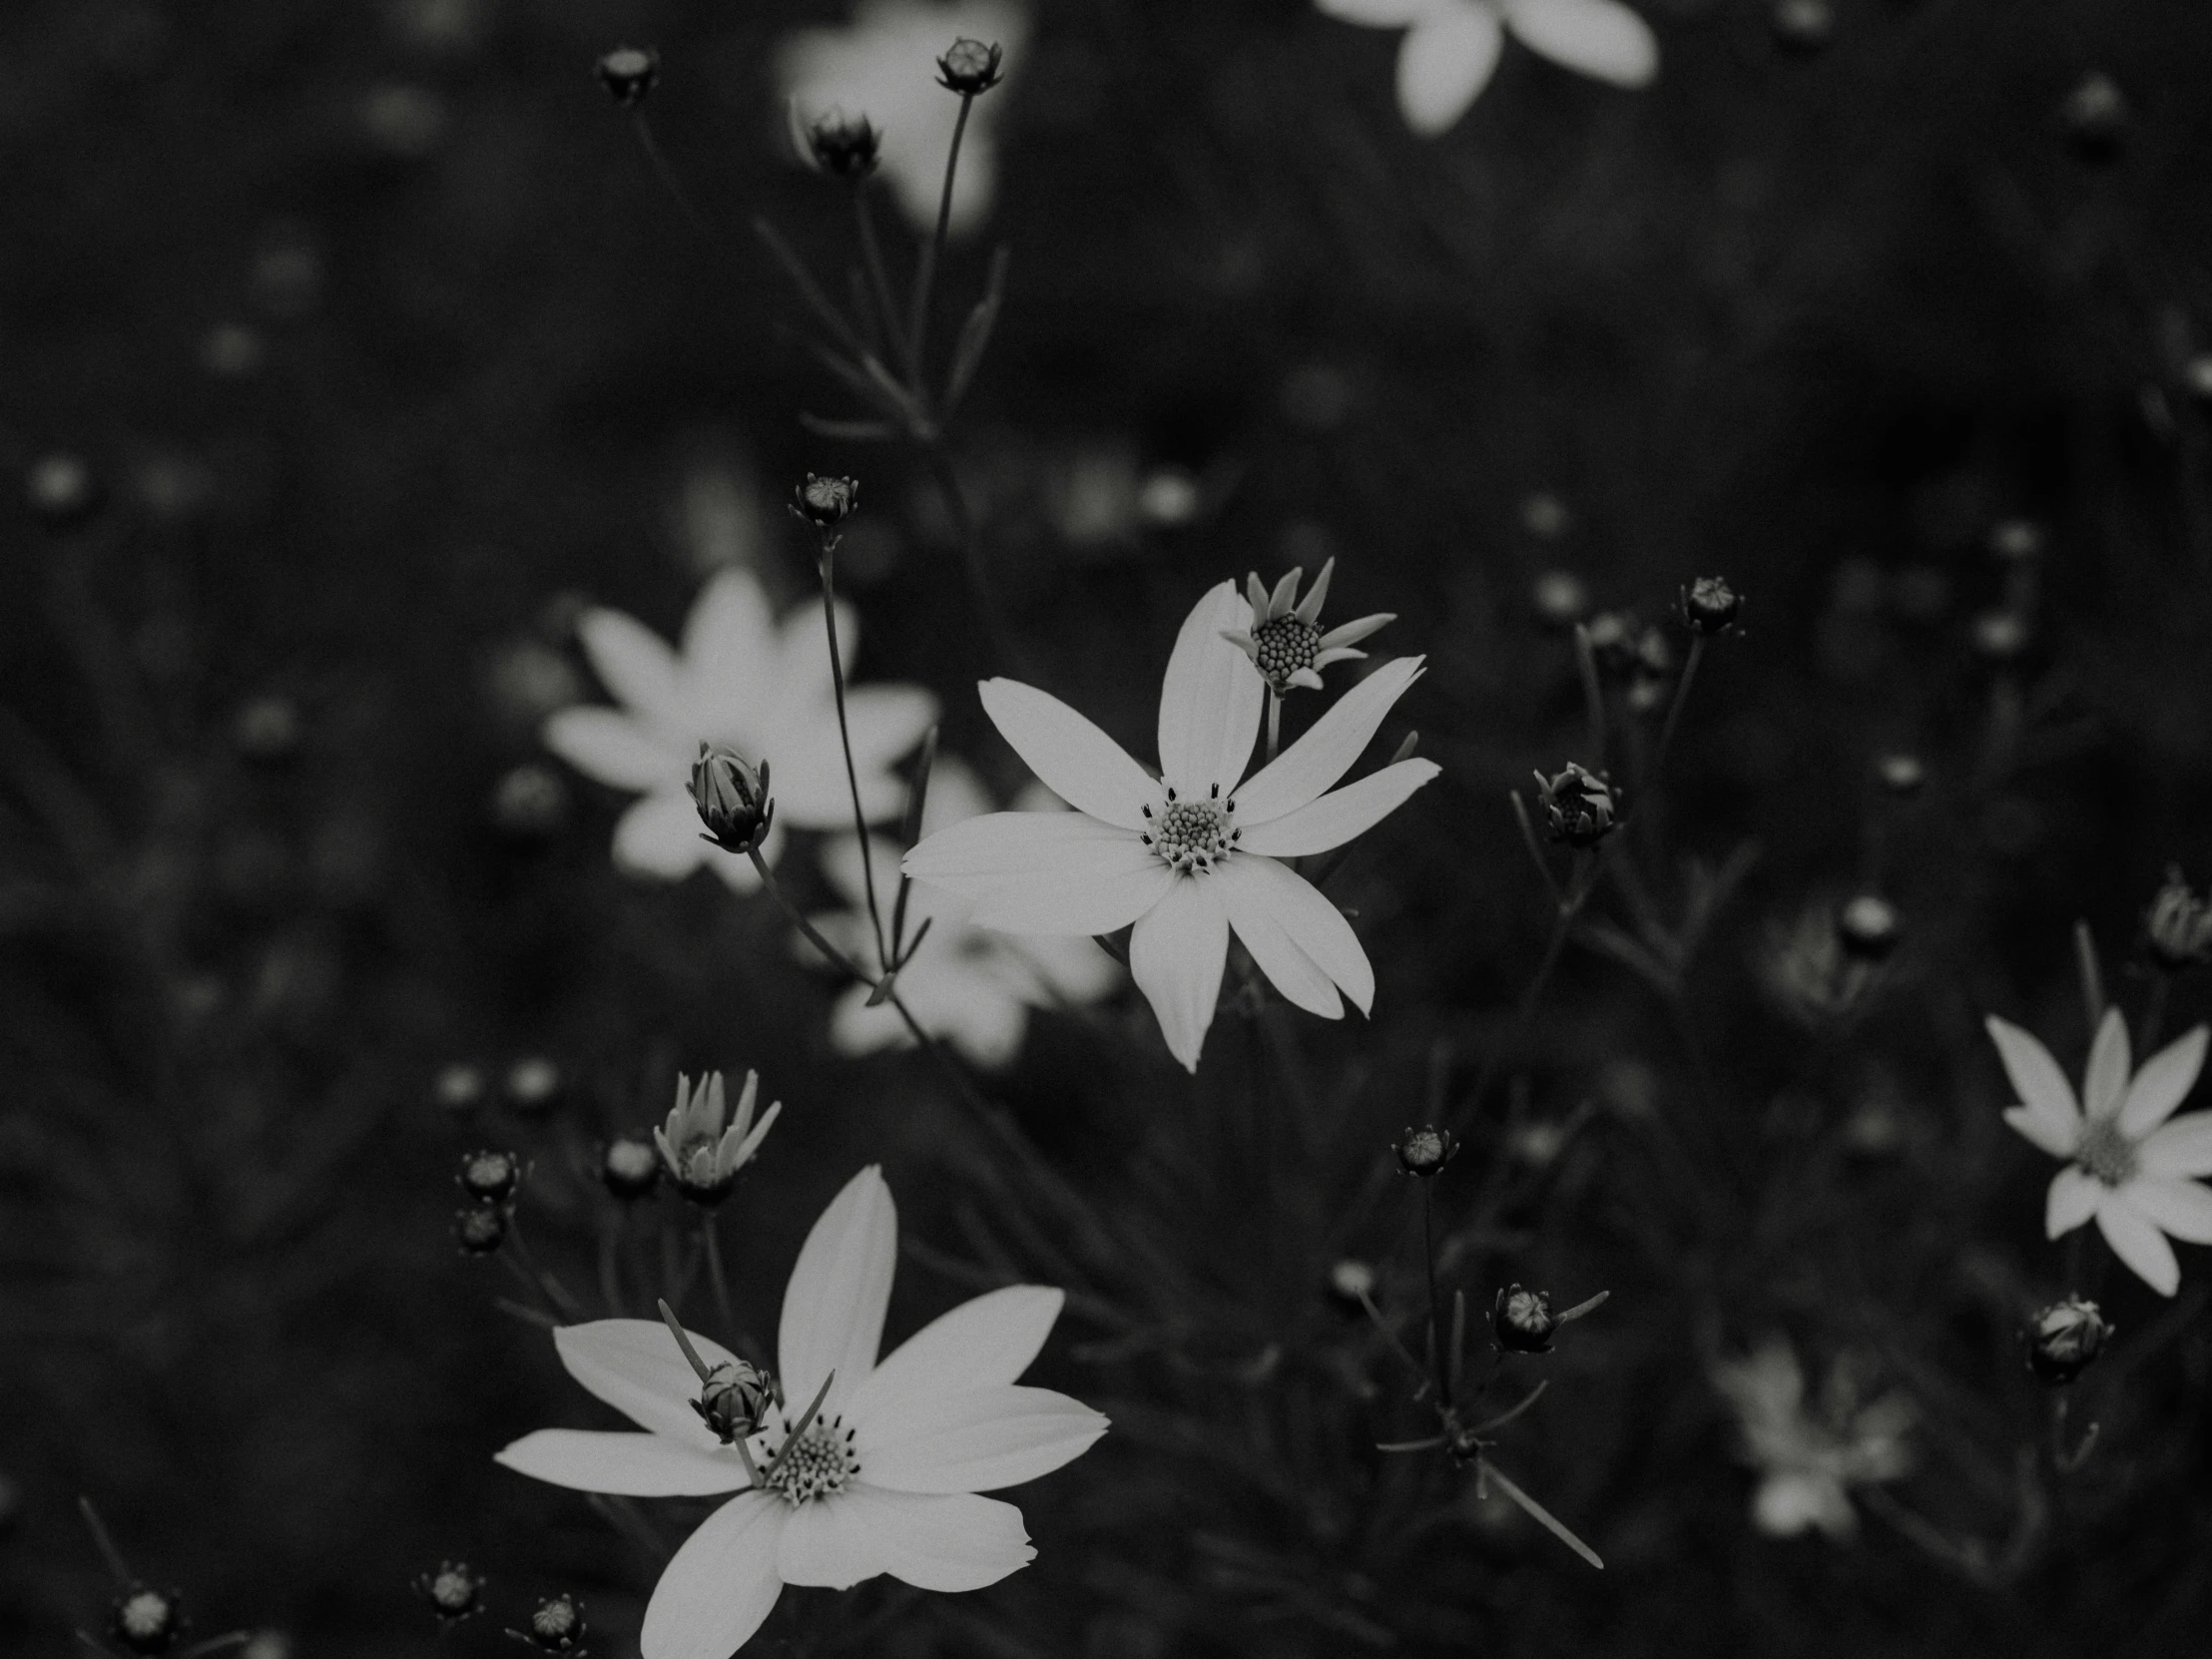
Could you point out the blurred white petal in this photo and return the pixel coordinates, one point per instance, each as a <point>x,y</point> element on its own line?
<point>2138,1243</point>
<point>2162,1084</point>
<point>2105,1084</point>
<point>2181,1146</point>
<point>613,748</point>
<point>659,835</point>
<point>631,661</point>
<point>1598,38</point>
<point>1378,14</point>
<point>2056,1136</point>
<point>2179,1209</point>
<point>1443,64</point>
<point>2074,1197</point>
<point>2036,1079</point>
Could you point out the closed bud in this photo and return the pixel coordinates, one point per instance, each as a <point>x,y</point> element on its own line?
<point>2095,114</point>
<point>480,1230</point>
<point>533,1085</point>
<point>731,798</point>
<point>1581,806</point>
<point>147,1621</point>
<point>60,488</point>
<point>1901,773</point>
<point>629,73</point>
<point>630,1168</point>
<point>1804,26</point>
<point>845,146</point>
<point>2177,927</point>
<point>1425,1151</point>
<point>826,503</point>
<point>1351,1284</point>
<point>2001,636</point>
<point>733,1398</point>
<point>456,1591</point>
<point>1868,927</point>
<point>2016,540</point>
<point>556,1627</point>
<point>491,1177</point>
<point>971,67</point>
<point>1709,605</point>
<point>2064,1340</point>
<point>1559,598</point>
<point>1522,1320</point>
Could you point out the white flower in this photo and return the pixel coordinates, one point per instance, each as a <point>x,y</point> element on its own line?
<point>2126,1164</point>
<point>970,986</point>
<point>1808,1463</point>
<point>884,1477</point>
<point>884,68</point>
<point>702,1146</point>
<point>746,679</point>
<point>1195,853</point>
<point>1452,46</point>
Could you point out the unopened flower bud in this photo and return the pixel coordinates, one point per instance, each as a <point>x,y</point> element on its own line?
<point>731,798</point>
<point>480,1229</point>
<point>629,73</point>
<point>629,1167</point>
<point>826,502</point>
<point>556,1627</point>
<point>845,146</point>
<point>1425,1151</point>
<point>147,1621</point>
<point>971,67</point>
<point>491,1177</point>
<point>1351,1282</point>
<point>1868,926</point>
<point>1580,807</point>
<point>734,1399</point>
<point>1901,773</point>
<point>2178,925</point>
<point>1802,25</point>
<point>2096,118</point>
<point>1522,1320</point>
<point>2064,1340</point>
<point>456,1591</point>
<point>1709,605</point>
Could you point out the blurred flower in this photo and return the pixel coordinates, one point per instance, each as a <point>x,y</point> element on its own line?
<point>2178,925</point>
<point>702,1146</point>
<point>480,1229</point>
<point>1285,641</point>
<point>1452,46</point>
<point>1868,926</point>
<point>629,1167</point>
<point>1561,598</point>
<point>1191,854</point>
<point>147,1621</point>
<point>533,1085</point>
<point>529,803</point>
<point>2095,114</point>
<point>743,680</point>
<point>1810,1461</point>
<point>843,146</point>
<point>1802,25</point>
<point>1806,968</point>
<point>629,73</point>
<point>454,1591</point>
<point>880,67</point>
<point>1901,773</point>
<point>965,983</point>
<point>866,1467</point>
<point>60,488</point>
<point>2064,1340</point>
<point>2126,1164</point>
<point>1352,1282</point>
<point>458,1087</point>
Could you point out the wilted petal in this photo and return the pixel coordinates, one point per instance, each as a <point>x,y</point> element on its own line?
<point>2137,1241</point>
<point>2162,1084</point>
<point>1209,700</point>
<point>2104,1085</point>
<point>1443,64</point>
<point>2042,1086</point>
<point>2182,1209</point>
<point>2182,1146</point>
<point>1076,761</point>
<point>636,1367</point>
<point>834,1304</point>
<point>1326,753</point>
<point>951,1542</point>
<point>1176,955</point>
<point>629,1465</point>
<point>1599,38</point>
<point>613,748</point>
<point>632,662</point>
<point>984,1342</point>
<point>2073,1199</point>
<point>972,1442</point>
<point>658,837</point>
<point>1044,873</point>
<point>721,1586</point>
<point>1341,815</point>
<point>829,1542</point>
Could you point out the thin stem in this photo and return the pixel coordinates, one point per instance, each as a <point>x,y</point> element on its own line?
<point>715,1274</point>
<point>2093,980</point>
<point>1541,1516</point>
<point>845,741</point>
<point>831,952</point>
<point>667,176</point>
<point>103,1542</point>
<point>1274,723</point>
<point>872,253</point>
<point>918,330</point>
<point>1569,906</point>
<point>971,551</point>
<point>1435,1303</point>
<point>1674,708</point>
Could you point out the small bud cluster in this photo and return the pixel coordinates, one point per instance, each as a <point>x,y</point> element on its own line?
<point>489,1180</point>
<point>2064,1340</point>
<point>1582,808</point>
<point>2177,928</point>
<point>1627,649</point>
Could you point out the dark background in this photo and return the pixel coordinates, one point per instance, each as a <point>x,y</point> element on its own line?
<point>385,350</point>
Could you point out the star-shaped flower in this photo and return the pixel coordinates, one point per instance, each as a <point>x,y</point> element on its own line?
<point>965,983</point>
<point>1808,1460</point>
<point>884,67</point>
<point>1452,46</point>
<point>741,679</point>
<point>881,1476</point>
<point>1194,853</point>
<point>1286,642</point>
<point>2126,1164</point>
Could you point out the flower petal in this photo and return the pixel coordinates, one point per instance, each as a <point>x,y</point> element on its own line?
<point>1043,872</point>
<point>1599,38</point>
<point>1341,815</point>
<point>833,1306</point>
<point>830,1542</point>
<point>2162,1084</point>
<point>1443,65</point>
<point>612,746</point>
<point>1209,700</point>
<point>983,1342</point>
<point>947,1542</point>
<point>1246,895</point>
<point>2137,1241</point>
<point>631,661</point>
<point>1325,754</point>
<point>629,1465</point>
<point>1076,761</point>
<point>721,1586</point>
<point>1376,14</point>
<point>886,723</point>
<point>2182,1209</point>
<point>1314,926</point>
<point>636,1367</point>
<point>2104,1085</point>
<point>972,1442</point>
<point>1176,955</point>
<point>2042,1086</point>
<point>2074,1197</point>
<point>2180,1146</point>
<point>2057,1139</point>
<point>730,654</point>
<point>658,838</point>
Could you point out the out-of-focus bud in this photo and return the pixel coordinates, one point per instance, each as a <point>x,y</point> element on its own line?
<point>630,1168</point>
<point>2016,540</point>
<point>1580,807</point>
<point>480,1229</point>
<point>460,1087</point>
<point>529,803</point>
<point>456,1591</point>
<point>533,1085</point>
<point>733,1400</point>
<point>1425,1151</point>
<point>731,798</point>
<point>147,1621</point>
<point>826,503</point>
<point>1868,926</point>
<point>1615,638</point>
<point>1559,598</point>
<point>2001,636</point>
<point>1901,773</point>
<point>2177,927</point>
<point>1545,516</point>
<point>557,1626</point>
<point>266,729</point>
<point>60,488</point>
<point>1804,26</point>
<point>1522,1320</point>
<point>971,67</point>
<point>2096,116</point>
<point>2064,1340</point>
<point>845,146</point>
<point>2196,381</point>
<point>1351,1282</point>
<point>629,73</point>
<point>489,1177</point>
<point>1710,605</point>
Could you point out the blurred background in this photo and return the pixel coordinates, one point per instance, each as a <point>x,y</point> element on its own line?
<point>349,350</point>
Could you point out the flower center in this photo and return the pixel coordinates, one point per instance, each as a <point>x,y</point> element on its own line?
<point>813,1464</point>
<point>2105,1152</point>
<point>1283,645</point>
<point>1190,835</point>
